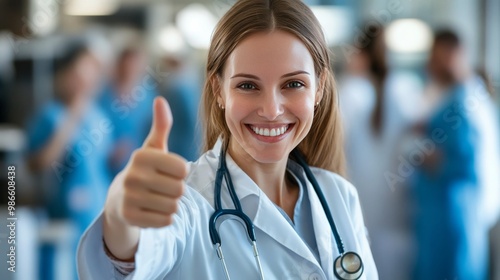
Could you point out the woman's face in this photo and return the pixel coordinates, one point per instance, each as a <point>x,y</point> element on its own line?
<point>269,89</point>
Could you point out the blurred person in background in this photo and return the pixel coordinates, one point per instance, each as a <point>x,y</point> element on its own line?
<point>378,106</point>
<point>3,100</point>
<point>182,90</point>
<point>69,141</point>
<point>127,101</point>
<point>456,187</point>
<point>495,251</point>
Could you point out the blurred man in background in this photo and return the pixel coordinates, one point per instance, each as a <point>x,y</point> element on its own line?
<point>456,187</point>
<point>127,101</point>
<point>182,90</point>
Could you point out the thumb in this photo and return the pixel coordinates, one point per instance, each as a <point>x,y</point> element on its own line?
<point>160,128</point>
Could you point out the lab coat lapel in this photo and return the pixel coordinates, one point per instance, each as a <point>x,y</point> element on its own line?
<point>269,220</point>
<point>322,231</point>
<point>265,216</point>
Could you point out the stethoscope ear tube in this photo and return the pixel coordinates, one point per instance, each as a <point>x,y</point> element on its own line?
<point>347,266</point>
<point>222,173</point>
<point>310,176</point>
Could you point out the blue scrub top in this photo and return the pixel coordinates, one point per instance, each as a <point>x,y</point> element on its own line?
<point>78,181</point>
<point>131,117</point>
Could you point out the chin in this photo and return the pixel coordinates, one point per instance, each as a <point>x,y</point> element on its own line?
<point>269,154</point>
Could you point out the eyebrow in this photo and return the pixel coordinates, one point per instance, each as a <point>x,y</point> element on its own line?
<point>250,76</point>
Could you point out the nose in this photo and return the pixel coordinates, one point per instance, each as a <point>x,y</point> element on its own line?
<point>271,104</point>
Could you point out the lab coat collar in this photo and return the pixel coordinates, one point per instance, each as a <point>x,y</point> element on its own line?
<point>267,218</point>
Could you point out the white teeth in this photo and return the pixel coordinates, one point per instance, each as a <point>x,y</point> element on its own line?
<point>270,132</point>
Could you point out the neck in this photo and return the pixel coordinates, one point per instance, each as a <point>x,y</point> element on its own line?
<point>270,177</point>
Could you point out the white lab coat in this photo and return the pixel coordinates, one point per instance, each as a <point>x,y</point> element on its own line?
<point>184,250</point>
<point>482,111</point>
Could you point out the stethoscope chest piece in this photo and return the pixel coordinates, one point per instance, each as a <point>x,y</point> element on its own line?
<point>348,266</point>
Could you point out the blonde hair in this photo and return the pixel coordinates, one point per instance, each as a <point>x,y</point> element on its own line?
<point>322,147</point>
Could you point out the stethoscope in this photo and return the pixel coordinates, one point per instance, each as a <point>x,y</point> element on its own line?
<point>347,266</point>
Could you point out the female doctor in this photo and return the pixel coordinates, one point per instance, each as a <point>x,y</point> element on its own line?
<point>269,97</point>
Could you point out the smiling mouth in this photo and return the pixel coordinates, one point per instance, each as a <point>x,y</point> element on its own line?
<point>270,132</point>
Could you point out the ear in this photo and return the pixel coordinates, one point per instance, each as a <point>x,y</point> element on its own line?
<point>321,86</point>
<point>216,84</point>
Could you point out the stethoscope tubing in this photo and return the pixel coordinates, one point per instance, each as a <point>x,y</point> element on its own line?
<point>223,173</point>
<point>301,161</point>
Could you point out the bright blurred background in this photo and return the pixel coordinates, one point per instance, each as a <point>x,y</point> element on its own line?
<point>77,79</point>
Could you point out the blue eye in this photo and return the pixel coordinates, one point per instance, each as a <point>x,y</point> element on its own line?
<point>294,84</point>
<point>247,86</point>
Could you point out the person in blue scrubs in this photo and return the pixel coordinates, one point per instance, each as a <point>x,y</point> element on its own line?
<point>127,101</point>
<point>451,237</point>
<point>182,91</point>
<point>69,139</point>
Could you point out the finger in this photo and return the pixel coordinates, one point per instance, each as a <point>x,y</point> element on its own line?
<point>157,220</point>
<point>168,164</point>
<point>156,203</point>
<point>164,185</point>
<point>145,219</point>
<point>160,128</point>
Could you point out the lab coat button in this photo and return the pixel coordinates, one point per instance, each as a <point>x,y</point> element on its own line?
<point>315,276</point>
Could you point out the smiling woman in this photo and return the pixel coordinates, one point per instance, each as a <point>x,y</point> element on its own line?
<point>281,94</point>
<point>288,21</point>
<point>273,154</point>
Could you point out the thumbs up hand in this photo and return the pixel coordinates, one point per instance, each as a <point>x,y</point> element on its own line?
<point>147,191</point>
